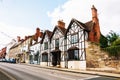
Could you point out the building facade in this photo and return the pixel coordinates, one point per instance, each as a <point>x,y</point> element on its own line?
<point>35,47</point>
<point>63,47</point>
<point>57,45</point>
<point>75,36</point>
<point>3,53</point>
<point>25,48</point>
<point>68,46</point>
<point>9,45</point>
<point>45,48</point>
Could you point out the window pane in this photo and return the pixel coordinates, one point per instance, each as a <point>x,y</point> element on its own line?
<point>76,56</point>
<point>45,45</point>
<point>74,38</point>
<point>73,55</point>
<point>57,43</point>
<point>44,57</point>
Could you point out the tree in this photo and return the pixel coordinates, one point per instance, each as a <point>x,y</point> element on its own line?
<point>113,41</point>
<point>103,42</point>
<point>116,42</point>
<point>112,36</point>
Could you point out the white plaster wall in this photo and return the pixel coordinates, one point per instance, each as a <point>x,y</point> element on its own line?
<point>77,65</point>
<point>43,63</point>
<point>62,64</point>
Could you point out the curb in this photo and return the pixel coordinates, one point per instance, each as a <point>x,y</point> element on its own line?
<point>82,72</point>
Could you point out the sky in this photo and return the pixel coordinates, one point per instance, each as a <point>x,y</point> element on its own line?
<point>22,17</point>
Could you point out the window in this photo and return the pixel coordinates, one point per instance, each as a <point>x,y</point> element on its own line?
<point>36,56</point>
<point>45,45</point>
<point>74,38</point>
<point>76,55</point>
<point>73,55</point>
<point>45,57</point>
<point>57,43</point>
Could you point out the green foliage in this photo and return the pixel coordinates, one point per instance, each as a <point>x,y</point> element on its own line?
<point>116,42</point>
<point>112,36</point>
<point>113,49</point>
<point>103,42</point>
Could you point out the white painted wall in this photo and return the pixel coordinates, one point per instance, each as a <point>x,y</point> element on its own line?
<point>62,64</point>
<point>44,63</point>
<point>77,65</point>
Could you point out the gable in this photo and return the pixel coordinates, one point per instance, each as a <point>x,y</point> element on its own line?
<point>46,35</point>
<point>57,34</point>
<point>46,38</point>
<point>74,26</point>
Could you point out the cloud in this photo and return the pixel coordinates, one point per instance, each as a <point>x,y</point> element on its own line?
<point>8,32</point>
<point>108,13</point>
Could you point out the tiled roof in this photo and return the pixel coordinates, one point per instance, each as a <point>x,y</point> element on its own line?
<point>89,25</point>
<point>82,25</point>
<point>62,30</point>
<point>47,32</point>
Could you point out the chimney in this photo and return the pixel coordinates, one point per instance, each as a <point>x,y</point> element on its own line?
<point>18,38</point>
<point>37,30</point>
<point>26,37</point>
<point>94,14</point>
<point>95,33</point>
<point>61,24</point>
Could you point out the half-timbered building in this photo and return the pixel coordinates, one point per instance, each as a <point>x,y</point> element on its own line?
<point>45,49</point>
<point>75,36</point>
<point>57,44</point>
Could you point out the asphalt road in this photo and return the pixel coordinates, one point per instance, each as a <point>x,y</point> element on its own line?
<point>3,76</point>
<point>24,72</point>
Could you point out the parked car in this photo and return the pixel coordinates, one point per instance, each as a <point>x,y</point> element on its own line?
<point>12,60</point>
<point>3,60</point>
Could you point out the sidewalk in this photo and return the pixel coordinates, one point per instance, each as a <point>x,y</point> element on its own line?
<point>91,71</point>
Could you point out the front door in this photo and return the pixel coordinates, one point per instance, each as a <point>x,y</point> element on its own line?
<point>56,58</point>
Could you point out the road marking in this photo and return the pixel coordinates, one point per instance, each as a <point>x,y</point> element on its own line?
<point>89,78</point>
<point>5,73</point>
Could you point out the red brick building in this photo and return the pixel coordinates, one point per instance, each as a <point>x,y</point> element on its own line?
<point>3,53</point>
<point>94,28</point>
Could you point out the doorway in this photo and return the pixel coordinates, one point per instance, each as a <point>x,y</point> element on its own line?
<point>56,58</point>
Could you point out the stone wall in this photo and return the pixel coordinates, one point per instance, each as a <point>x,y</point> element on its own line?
<point>96,58</point>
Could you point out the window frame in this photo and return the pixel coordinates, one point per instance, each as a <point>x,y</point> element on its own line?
<point>44,57</point>
<point>45,45</point>
<point>74,38</point>
<point>72,55</point>
<point>57,43</point>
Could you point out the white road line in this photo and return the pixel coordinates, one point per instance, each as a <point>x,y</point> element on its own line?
<point>89,78</point>
<point>12,78</point>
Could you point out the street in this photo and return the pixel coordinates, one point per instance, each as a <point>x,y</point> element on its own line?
<point>24,72</point>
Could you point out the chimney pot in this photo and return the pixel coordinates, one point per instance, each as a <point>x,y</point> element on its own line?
<point>18,38</point>
<point>61,24</point>
<point>26,37</point>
